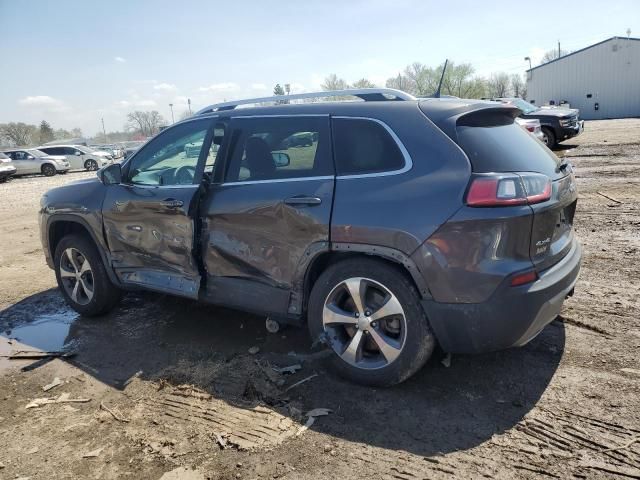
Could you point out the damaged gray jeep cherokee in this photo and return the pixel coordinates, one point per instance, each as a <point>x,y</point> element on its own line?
<point>402,223</point>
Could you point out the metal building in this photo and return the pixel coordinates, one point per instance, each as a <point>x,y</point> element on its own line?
<point>602,80</point>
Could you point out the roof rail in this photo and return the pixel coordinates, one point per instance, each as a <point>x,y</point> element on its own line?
<point>366,94</point>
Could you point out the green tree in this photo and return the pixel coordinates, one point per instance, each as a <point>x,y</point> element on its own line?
<point>18,133</point>
<point>46,132</point>
<point>498,85</point>
<point>278,90</point>
<point>552,55</point>
<point>363,83</point>
<point>518,86</point>
<point>332,82</point>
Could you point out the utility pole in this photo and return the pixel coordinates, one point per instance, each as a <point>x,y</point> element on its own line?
<point>189,103</point>
<point>172,119</point>
<point>559,54</point>
<point>104,130</point>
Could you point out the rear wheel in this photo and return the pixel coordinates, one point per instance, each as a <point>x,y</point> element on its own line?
<point>48,170</point>
<point>369,314</point>
<point>82,277</point>
<point>548,137</point>
<point>91,165</point>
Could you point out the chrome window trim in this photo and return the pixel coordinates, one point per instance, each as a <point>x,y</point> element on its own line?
<point>408,162</point>
<point>277,180</point>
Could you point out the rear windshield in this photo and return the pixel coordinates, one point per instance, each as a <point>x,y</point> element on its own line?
<point>506,148</point>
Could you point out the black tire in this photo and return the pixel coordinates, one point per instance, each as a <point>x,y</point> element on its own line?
<point>48,170</point>
<point>549,137</point>
<point>91,165</point>
<point>419,340</point>
<point>105,294</point>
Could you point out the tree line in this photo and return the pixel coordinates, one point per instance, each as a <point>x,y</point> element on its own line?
<point>459,80</point>
<point>21,134</point>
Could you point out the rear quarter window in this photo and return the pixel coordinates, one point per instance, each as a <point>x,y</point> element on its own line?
<point>364,146</point>
<point>506,148</point>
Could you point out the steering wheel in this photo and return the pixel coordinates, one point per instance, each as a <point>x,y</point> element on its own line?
<point>184,175</point>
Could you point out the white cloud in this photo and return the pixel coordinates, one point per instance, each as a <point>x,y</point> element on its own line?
<point>44,102</point>
<point>220,87</point>
<point>165,87</point>
<point>259,86</point>
<point>119,59</point>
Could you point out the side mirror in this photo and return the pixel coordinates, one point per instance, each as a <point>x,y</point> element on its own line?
<point>78,153</point>
<point>111,174</point>
<point>281,159</point>
<point>30,157</point>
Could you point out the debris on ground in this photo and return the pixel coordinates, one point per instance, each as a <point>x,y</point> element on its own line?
<point>311,418</point>
<point>254,350</point>
<point>290,369</point>
<point>56,382</point>
<point>113,413</point>
<point>63,398</point>
<point>221,440</point>
<point>36,354</point>
<point>301,382</point>
<point>93,453</point>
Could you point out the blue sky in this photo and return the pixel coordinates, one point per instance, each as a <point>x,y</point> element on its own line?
<point>82,60</point>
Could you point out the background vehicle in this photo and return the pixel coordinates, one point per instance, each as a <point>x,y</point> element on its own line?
<point>7,169</point>
<point>558,124</point>
<point>31,160</point>
<point>131,148</point>
<point>531,125</point>
<point>79,157</point>
<point>471,244</point>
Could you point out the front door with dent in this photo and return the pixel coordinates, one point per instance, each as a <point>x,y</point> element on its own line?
<point>150,219</point>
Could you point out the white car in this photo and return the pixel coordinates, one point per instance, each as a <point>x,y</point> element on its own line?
<point>532,126</point>
<point>31,160</point>
<point>79,156</point>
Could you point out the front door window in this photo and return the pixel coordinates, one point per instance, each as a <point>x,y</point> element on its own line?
<point>172,157</point>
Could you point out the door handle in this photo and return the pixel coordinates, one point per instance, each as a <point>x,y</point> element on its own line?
<point>171,203</point>
<point>303,200</point>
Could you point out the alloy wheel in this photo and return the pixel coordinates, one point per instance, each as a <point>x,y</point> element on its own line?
<point>76,276</point>
<point>364,323</point>
<point>92,165</point>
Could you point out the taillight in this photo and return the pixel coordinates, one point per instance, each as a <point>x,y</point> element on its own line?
<point>531,128</point>
<point>506,189</point>
<point>523,278</point>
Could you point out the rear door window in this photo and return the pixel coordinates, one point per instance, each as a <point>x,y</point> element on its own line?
<point>276,148</point>
<point>363,146</point>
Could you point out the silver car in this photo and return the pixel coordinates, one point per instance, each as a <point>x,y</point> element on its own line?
<point>79,156</point>
<point>7,169</point>
<point>32,161</point>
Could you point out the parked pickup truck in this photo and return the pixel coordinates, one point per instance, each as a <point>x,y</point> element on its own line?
<point>383,226</point>
<point>558,124</point>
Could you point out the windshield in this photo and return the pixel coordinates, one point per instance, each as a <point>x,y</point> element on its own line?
<point>523,105</point>
<point>36,153</point>
<point>83,149</point>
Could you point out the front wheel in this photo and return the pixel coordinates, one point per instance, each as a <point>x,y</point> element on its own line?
<point>368,312</point>
<point>82,277</point>
<point>548,137</point>
<point>91,165</point>
<point>48,170</point>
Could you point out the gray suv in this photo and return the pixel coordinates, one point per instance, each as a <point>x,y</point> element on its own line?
<point>400,224</point>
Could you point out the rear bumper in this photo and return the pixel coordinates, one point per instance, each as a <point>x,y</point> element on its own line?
<point>511,317</point>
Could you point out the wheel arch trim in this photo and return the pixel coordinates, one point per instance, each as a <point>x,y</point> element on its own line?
<point>104,255</point>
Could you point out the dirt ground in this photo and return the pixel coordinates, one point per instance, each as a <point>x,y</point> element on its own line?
<point>167,388</point>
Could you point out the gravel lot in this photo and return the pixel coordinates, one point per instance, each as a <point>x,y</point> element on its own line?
<point>170,384</point>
